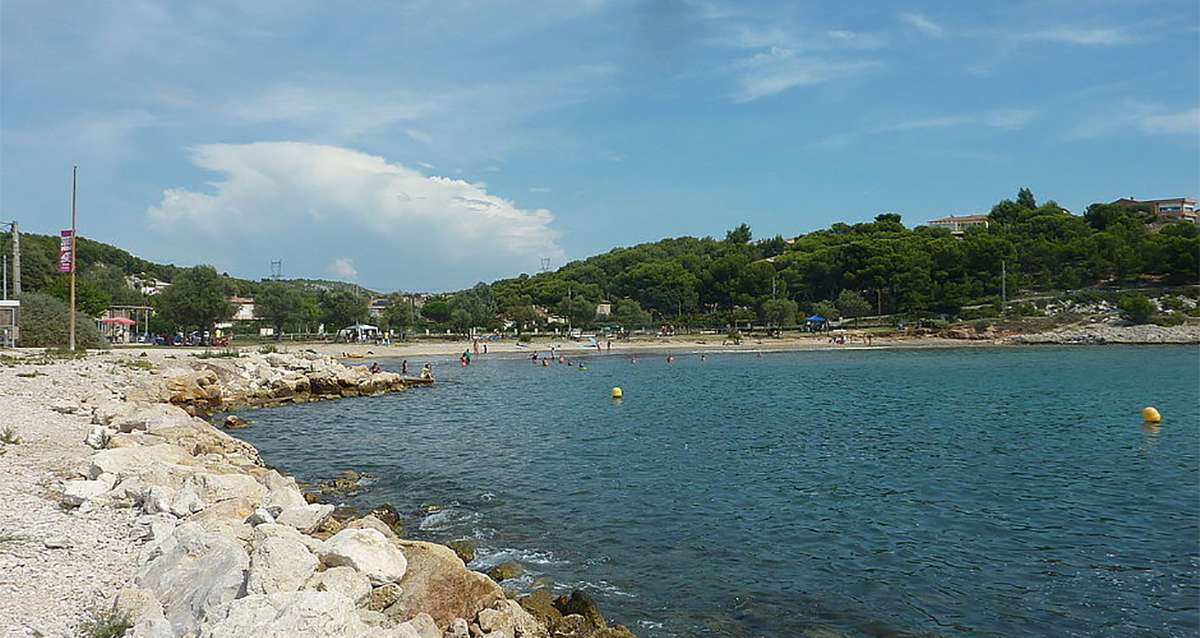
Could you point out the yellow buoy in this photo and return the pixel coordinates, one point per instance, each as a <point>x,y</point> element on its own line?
<point>616,393</point>
<point>1150,415</point>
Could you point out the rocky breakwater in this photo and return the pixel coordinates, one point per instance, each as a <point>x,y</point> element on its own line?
<point>1099,334</point>
<point>209,385</point>
<point>232,549</point>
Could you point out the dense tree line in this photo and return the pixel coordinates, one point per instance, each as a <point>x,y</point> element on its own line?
<point>847,270</point>
<point>855,270</point>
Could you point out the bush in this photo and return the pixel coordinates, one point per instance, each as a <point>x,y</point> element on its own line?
<point>1136,308</point>
<point>1171,319</point>
<point>524,338</point>
<point>43,324</point>
<point>105,624</point>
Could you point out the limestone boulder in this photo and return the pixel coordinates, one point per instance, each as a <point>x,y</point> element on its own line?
<point>137,461</point>
<point>279,564</point>
<point>368,551</point>
<point>110,410</point>
<point>508,618</point>
<point>305,518</point>
<point>540,605</point>
<point>436,582</point>
<point>263,530</point>
<point>302,614</point>
<point>150,417</point>
<point>144,612</point>
<point>198,574</point>
<point>383,596</point>
<point>75,493</point>
<point>370,522</point>
<point>199,388</point>
<point>227,517</point>
<point>187,500</point>
<point>97,438</point>
<point>214,488</point>
<point>346,581</point>
<point>579,602</point>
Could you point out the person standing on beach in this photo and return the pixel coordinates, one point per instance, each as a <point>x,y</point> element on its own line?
<point>404,367</point>
<point>608,345</point>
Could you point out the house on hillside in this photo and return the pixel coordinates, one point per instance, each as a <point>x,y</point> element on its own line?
<point>1172,209</point>
<point>243,308</point>
<point>604,308</point>
<point>148,286</point>
<point>958,224</point>
<point>378,306</point>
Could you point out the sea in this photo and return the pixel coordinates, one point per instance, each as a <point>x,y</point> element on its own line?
<point>845,492</point>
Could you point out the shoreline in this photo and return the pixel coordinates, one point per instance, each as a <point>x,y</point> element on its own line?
<point>196,536</point>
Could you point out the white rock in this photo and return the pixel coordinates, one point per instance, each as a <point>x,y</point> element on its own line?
<point>425,626</point>
<point>510,619</point>
<point>75,493</point>
<point>263,530</point>
<point>302,614</point>
<point>142,608</point>
<point>98,437</point>
<point>214,488</point>
<point>136,461</point>
<point>284,497</point>
<point>157,499</point>
<point>62,406</point>
<point>186,501</point>
<point>346,581</point>
<point>108,411</point>
<point>200,573</point>
<point>279,564</point>
<point>369,552</point>
<point>151,417</point>
<point>260,516</point>
<point>306,518</point>
<point>458,629</point>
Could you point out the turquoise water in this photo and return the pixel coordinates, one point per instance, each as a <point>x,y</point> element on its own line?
<point>991,492</point>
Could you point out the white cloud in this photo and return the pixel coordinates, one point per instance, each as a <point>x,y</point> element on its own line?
<point>1082,36</point>
<point>1007,119</point>
<point>1132,115</point>
<point>921,23</point>
<point>343,268</point>
<point>419,135</point>
<point>315,192</point>
<point>780,69</point>
<point>1181,123</point>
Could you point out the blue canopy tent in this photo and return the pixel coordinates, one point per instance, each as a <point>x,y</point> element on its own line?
<point>817,323</point>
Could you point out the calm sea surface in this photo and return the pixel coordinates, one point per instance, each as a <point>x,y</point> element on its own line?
<point>990,492</point>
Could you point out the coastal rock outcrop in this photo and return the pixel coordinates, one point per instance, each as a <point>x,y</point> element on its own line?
<point>437,583</point>
<point>200,572</point>
<point>301,614</point>
<point>368,551</point>
<point>279,564</point>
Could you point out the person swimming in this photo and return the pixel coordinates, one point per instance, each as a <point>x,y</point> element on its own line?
<point>670,358</point>
<point>427,371</point>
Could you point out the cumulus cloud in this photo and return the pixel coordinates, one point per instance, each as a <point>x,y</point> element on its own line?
<point>343,268</point>
<point>775,71</point>
<point>314,192</point>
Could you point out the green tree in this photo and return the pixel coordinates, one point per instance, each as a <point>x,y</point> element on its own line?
<point>436,310</point>
<point>851,304</point>
<point>90,299</point>
<point>279,305</point>
<point>43,323</point>
<point>779,312</point>
<point>826,309</point>
<point>341,308</point>
<point>1136,308</point>
<point>628,314</point>
<point>739,235</point>
<point>581,312</point>
<point>196,299</point>
<point>399,315</point>
<point>1025,199</point>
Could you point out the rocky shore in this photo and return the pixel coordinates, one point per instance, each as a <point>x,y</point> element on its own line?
<point>1099,334</point>
<point>124,512</point>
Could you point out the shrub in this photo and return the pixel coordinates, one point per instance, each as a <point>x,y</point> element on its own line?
<point>1136,308</point>
<point>9,436</point>
<point>1171,319</point>
<point>524,338</point>
<point>43,324</point>
<point>268,349</point>
<point>105,624</point>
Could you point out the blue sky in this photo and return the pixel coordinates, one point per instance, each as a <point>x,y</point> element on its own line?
<point>427,145</point>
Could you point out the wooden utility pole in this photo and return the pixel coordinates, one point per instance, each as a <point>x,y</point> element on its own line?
<point>74,173</point>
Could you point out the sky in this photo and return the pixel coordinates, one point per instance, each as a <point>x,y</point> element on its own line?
<point>427,145</point>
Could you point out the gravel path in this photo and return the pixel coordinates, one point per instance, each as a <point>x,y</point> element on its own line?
<point>45,589</point>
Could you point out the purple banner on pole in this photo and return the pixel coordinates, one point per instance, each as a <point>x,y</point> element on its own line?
<point>66,260</point>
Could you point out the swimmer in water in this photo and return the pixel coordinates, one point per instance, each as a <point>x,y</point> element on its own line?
<point>670,359</point>
<point>704,357</point>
